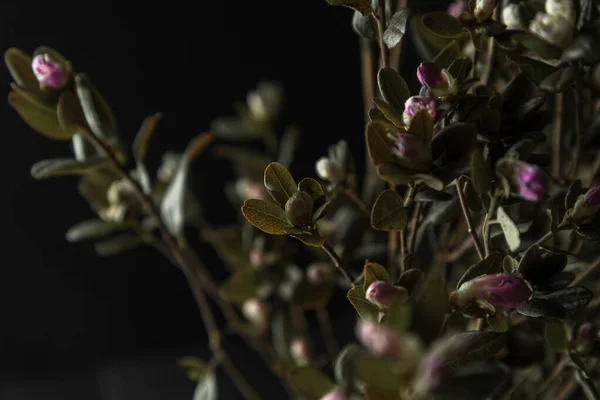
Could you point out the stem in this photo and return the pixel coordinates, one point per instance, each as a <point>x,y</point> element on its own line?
<point>368,86</point>
<point>584,274</point>
<point>549,234</point>
<point>396,52</point>
<point>490,61</point>
<point>380,20</point>
<point>557,134</point>
<point>392,252</point>
<point>468,221</point>
<point>327,333</point>
<point>413,228</point>
<point>357,201</point>
<point>337,262</point>
<point>486,225</point>
<point>578,117</point>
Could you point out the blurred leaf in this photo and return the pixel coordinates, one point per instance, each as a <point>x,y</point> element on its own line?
<point>388,213</point>
<point>429,180</point>
<point>481,174</point>
<point>116,245</point>
<point>398,318</point>
<point>65,166</point>
<point>372,393</point>
<point>374,272</point>
<point>394,173</point>
<point>536,71</point>
<point>207,388</point>
<point>561,80</point>
<point>541,308</point>
<point>377,141</point>
<point>447,55</point>
<point>239,287</point>
<point>539,265</point>
<point>421,125</point>
<point>376,372</point>
<point>91,229</point>
<point>314,189</point>
<point>427,43</point>
<point>247,162</point>
<point>311,297</point>
<point>474,346</point>
<point>393,89</point>
<point>411,279</point>
<point>94,185</point>
<point>196,368</point>
<point>575,190</point>
<point>490,263</point>
<point>430,308</point>
<point>288,145</point>
<point>343,368</point>
<point>510,229</point>
<point>228,244</point>
<point>69,111</point>
<point>311,383</point>
<point>498,322</point>
<point>266,216</point>
<point>442,24</point>
<point>388,113</point>
<point>19,66</point>
<point>428,195</point>
<point>396,28</point>
<point>40,117</point>
<point>140,144</point>
<point>441,212</point>
<point>366,310</point>
<point>98,114</point>
<point>556,336</point>
<point>460,68</point>
<point>279,183</point>
<point>173,205</point>
<point>362,6</point>
<point>364,26</point>
<point>572,299</point>
<point>454,141</point>
<point>537,45</point>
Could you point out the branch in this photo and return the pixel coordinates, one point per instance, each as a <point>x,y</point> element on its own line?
<point>467,214</point>
<point>337,262</point>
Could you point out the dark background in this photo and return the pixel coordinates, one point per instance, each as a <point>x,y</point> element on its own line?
<point>77,326</point>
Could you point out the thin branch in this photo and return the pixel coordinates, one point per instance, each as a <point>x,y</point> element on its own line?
<point>557,134</point>
<point>357,201</point>
<point>467,215</point>
<point>380,20</point>
<point>490,61</point>
<point>337,262</point>
<point>489,216</point>
<point>578,118</point>
<point>585,273</point>
<point>396,52</point>
<point>327,334</point>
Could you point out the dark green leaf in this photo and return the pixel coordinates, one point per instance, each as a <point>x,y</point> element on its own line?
<point>388,213</point>
<point>279,183</point>
<point>454,141</point>
<point>375,114</point>
<point>556,336</point>
<point>540,265</point>
<point>207,388</point>
<point>343,368</point>
<point>377,372</point>
<point>558,281</point>
<point>575,190</point>
<point>388,113</point>
<point>510,230</point>
<point>240,286</point>
<point>311,383</point>
<point>140,144</point>
<point>69,111</point>
<point>427,43</point>
<point>374,272</point>
<point>19,66</point>
<point>398,318</point>
<point>411,279</point>
<point>311,297</point>
<point>572,299</point>
<point>394,173</point>
<point>490,263</point>
<point>314,189</point>
<point>539,46</point>
<point>228,244</point>
<point>64,166</point>
<point>422,125</point>
<point>366,310</point>
<point>266,216</point>
<point>481,174</point>
<point>459,68</point>
<point>393,88</point>
<point>448,54</point>
<point>474,346</point>
<point>541,308</point>
<point>429,181</point>
<point>118,244</point>
<point>362,6</point>
<point>98,114</point>
<point>442,24</point>
<point>288,145</point>
<point>91,229</point>
<point>584,48</point>
<point>40,117</point>
<point>536,71</point>
<point>396,28</point>
<point>248,163</point>
<point>441,212</point>
<point>309,239</point>
<point>364,26</point>
<point>430,308</point>
<point>561,80</point>
<point>377,142</point>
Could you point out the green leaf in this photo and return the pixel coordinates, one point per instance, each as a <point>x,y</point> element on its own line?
<point>427,43</point>
<point>40,117</point>
<point>430,308</point>
<point>544,309</point>
<point>91,229</point>
<point>310,297</point>
<point>459,68</point>
<point>69,111</point>
<point>572,299</point>
<point>311,383</point>
<point>207,388</point>
<point>429,180</point>
<point>411,279</point>
<point>561,80</point>
<point>398,318</point>
<point>374,272</point>
<point>227,242</point>
<point>534,70</point>
<point>366,310</point>
<point>448,55</point>
<point>481,174</point>
<point>364,26</point>
<point>421,125</point>
<point>510,230</point>
<point>474,346</point>
<point>393,173</point>
<point>396,28</point>
<point>239,287</point>
<point>388,213</point>
<point>377,372</point>
<point>537,45</point>
<point>388,113</point>
<point>98,114</point>
<point>393,88</point>
<point>343,367</point>
<point>454,141</point>
<point>490,263</point>
<point>196,368</point>
<point>247,163</point>
<point>314,189</point>
<point>442,24</point>
<point>173,207</point>
<point>279,183</point>
<point>110,247</point>
<point>362,6</point>
<point>556,336</point>
<point>309,239</point>
<point>378,144</point>
<point>140,144</point>
<point>65,166</point>
<point>266,216</point>
<point>19,66</point>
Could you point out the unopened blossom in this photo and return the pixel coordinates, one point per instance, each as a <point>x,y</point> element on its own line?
<point>336,394</point>
<point>510,17</point>
<point>328,170</point>
<point>319,273</point>
<point>484,9</point>
<point>412,151</point>
<point>299,351</point>
<point>439,81</point>
<point>530,180</point>
<point>503,290</point>
<point>384,295</point>
<point>248,189</point>
<point>379,339</point>
<point>457,7</point>
<point>256,311</point>
<point>555,30</point>
<point>592,196</point>
<point>417,103</point>
<point>561,9</point>
<point>48,71</point>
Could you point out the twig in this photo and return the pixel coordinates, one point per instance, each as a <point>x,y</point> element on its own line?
<point>578,113</point>
<point>380,20</point>
<point>396,52</point>
<point>393,251</point>
<point>489,216</point>
<point>337,262</point>
<point>490,61</point>
<point>584,274</point>
<point>413,228</point>
<point>467,215</point>
<point>357,201</point>
<point>327,333</point>
<point>368,89</point>
<point>557,134</point>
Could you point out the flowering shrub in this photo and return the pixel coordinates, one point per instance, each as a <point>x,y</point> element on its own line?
<point>470,253</point>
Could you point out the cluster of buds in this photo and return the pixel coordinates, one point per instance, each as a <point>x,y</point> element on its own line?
<point>384,295</point>
<point>502,290</point>
<point>556,25</point>
<point>530,180</point>
<point>412,152</point>
<point>417,103</point>
<point>586,336</point>
<point>438,81</point>
<point>49,72</point>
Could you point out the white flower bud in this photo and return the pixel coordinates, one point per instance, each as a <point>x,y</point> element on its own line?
<point>510,17</point>
<point>484,9</point>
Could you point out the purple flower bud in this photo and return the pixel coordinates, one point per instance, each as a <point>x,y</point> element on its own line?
<point>458,7</point>
<point>417,103</point>
<point>592,196</point>
<point>503,290</point>
<point>384,295</point>
<point>379,339</point>
<point>319,273</point>
<point>412,151</point>
<point>439,81</point>
<point>530,180</point>
<point>336,394</point>
<point>48,71</point>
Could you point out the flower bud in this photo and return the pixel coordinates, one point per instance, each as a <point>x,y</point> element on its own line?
<point>247,189</point>
<point>586,332</point>
<point>412,151</point>
<point>299,351</point>
<point>379,339</point>
<point>587,205</point>
<point>49,72</point>
<point>503,290</point>
<point>592,196</point>
<point>439,81</point>
<point>555,30</point>
<point>299,209</point>
<point>328,170</point>
<point>384,295</point>
<point>336,394</point>
<point>417,103</point>
<point>510,17</point>
<point>484,9</point>
<point>531,181</point>
<point>256,312</point>
<point>561,9</point>
<point>319,273</point>
<point>458,7</point>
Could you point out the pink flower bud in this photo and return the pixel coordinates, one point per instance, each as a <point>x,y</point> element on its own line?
<point>328,170</point>
<point>384,295</point>
<point>48,71</point>
<point>379,340</point>
<point>503,290</point>
<point>530,180</point>
<point>592,196</point>
<point>412,151</point>
<point>336,394</point>
<point>319,273</point>
<point>439,81</point>
<point>417,103</point>
<point>458,7</point>
<point>299,351</point>
<point>484,9</point>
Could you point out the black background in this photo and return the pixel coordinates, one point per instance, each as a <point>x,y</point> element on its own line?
<point>75,325</point>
